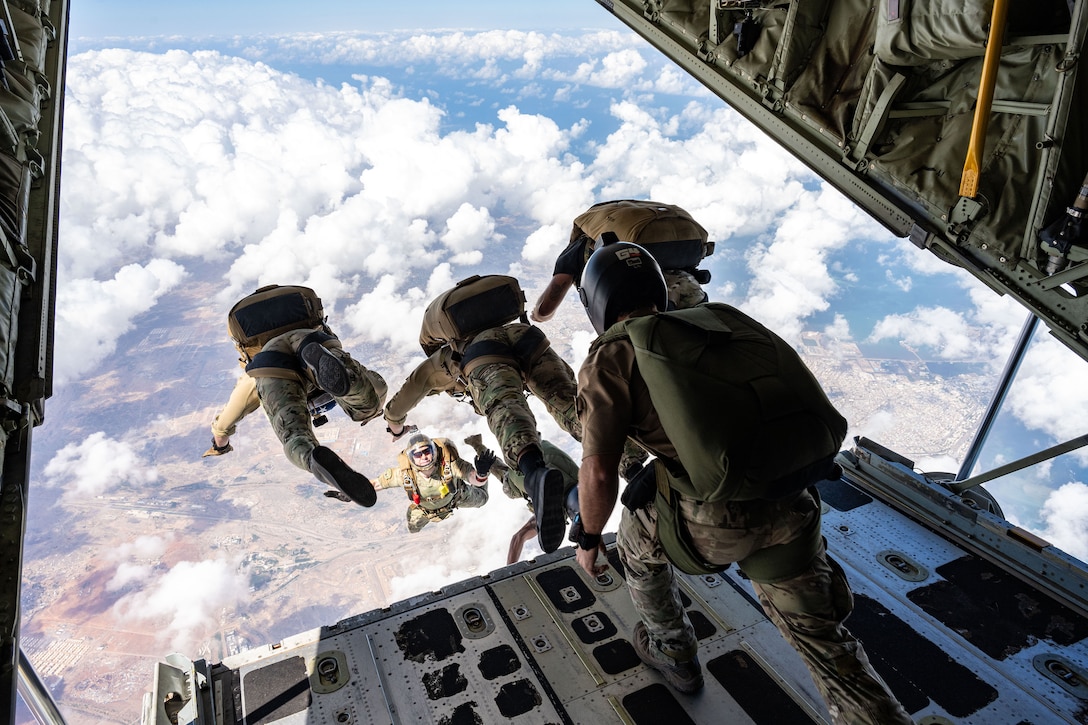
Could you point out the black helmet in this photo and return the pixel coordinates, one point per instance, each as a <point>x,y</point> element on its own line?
<point>619,278</point>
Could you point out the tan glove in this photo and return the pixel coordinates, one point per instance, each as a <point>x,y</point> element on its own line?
<point>218,450</point>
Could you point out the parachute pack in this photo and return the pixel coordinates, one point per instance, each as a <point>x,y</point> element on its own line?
<point>474,305</point>
<point>271,311</point>
<point>668,232</point>
<point>748,421</point>
<point>747,418</point>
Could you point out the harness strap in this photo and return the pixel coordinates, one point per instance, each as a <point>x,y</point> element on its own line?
<point>273,360</point>
<point>523,353</point>
<point>316,336</point>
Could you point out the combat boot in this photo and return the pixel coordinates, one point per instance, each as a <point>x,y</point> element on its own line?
<point>684,675</point>
<point>573,511</point>
<point>328,371</point>
<point>327,467</point>
<point>544,486</point>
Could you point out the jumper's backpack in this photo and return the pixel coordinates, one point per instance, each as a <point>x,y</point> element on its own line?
<point>668,232</point>
<point>272,311</point>
<point>474,305</point>
<point>747,418</point>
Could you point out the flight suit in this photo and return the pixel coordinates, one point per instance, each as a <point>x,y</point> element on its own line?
<point>807,608</point>
<point>445,488</point>
<point>283,396</point>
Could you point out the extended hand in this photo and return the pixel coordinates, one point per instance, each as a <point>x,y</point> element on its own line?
<point>218,450</point>
<point>484,460</point>
<point>587,559</point>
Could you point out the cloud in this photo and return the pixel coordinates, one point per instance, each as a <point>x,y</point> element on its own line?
<point>149,546</point>
<point>186,599</point>
<point>91,315</point>
<point>790,275</point>
<point>1051,391</point>
<point>839,329</point>
<point>97,466</point>
<point>1066,519</point>
<point>947,333</point>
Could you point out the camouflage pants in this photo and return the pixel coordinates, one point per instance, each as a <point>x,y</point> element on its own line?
<point>684,291</point>
<point>466,497</point>
<point>498,390</point>
<point>808,609</point>
<point>284,402</point>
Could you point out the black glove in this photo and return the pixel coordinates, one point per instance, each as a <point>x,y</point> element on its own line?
<point>484,461</point>
<point>641,488</point>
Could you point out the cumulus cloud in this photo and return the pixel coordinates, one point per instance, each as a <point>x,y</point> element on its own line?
<point>97,465</point>
<point>151,546</point>
<point>381,198</point>
<point>945,332</point>
<point>186,599</point>
<point>1066,519</point>
<point>91,315</point>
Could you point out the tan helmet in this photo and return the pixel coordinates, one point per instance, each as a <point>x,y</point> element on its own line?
<point>420,446</point>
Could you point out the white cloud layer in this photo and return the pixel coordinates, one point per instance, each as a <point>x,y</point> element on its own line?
<point>96,466</point>
<point>1066,516</point>
<point>381,200</point>
<point>186,599</point>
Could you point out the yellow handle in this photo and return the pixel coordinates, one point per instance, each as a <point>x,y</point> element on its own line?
<point>972,165</point>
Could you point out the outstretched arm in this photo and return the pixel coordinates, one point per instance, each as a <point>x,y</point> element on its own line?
<point>243,401</point>
<point>549,299</point>
<point>598,487</point>
<point>428,377</point>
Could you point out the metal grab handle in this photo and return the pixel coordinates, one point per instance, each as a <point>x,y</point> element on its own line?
<point>972,165</point>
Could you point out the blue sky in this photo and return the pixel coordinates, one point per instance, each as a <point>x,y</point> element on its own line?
<point>114,18</point>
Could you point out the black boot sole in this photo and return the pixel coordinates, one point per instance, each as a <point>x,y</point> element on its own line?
<point>551,522</point>
<point>331,375</point>
<point>353,484</point>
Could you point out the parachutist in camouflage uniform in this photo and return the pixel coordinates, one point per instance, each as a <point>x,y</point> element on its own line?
<point>666,231</point>
<point>513,485</point>
<point>775,541</point>
<point>437,480</point>
<point>287,371</point>
<point>498,363</point>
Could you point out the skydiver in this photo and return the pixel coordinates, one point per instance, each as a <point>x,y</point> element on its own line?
<point>284,369</point>
<point>666,231</point>
<point>436,479</point>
